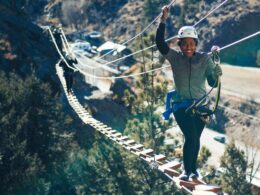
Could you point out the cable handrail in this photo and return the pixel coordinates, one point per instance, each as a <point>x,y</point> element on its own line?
<point>238,41</point>
<point>175,36</point>
<point>58,50</point>
<point>152,70</point>
<point>210,12</point>
<point>149,47</point>
<point>139,34</point>
<point>69,50</point>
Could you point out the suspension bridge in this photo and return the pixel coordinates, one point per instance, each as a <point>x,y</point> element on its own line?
<point>170,169</point>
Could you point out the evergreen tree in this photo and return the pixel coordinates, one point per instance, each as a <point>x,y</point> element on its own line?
<point>146,125</point>
<point>152,8</point>
<point>203,157</point>
<point>33,134</point>
<point>234,178</point>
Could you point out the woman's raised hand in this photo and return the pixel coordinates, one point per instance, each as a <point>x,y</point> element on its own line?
<point>165,13</point>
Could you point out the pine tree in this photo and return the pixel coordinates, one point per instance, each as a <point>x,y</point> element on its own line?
<point>34,140</point>
<point>146,125</point>
<point>234,178</point>
<point>152,8</point>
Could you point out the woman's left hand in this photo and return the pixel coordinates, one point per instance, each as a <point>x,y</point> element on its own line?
<point>215,48</point>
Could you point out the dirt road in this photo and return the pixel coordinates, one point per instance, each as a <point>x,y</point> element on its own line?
<point>242,82</point>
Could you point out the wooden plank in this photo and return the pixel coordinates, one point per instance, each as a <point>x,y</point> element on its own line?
<point>111,135</point>
<point>171,172</point>
<point>136,147</point>
<point>103,126</point>
<point>198,181</point>
<point>158,157</point>
<point>196,192</point>
<point>170,165</point>
<point>145,153</point>
<point>187,184</point>
<point>107,128</point>
<point>208,188</point>
<point>116,135</point>
<point>123,138</point>
<point>110,132</point>
<point>129,142</point>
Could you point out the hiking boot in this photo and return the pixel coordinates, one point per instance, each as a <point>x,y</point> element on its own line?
<point>184,176</point>
<point>194,174</point>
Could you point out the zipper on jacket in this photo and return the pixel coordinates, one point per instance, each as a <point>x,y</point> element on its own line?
<point>190,78</point>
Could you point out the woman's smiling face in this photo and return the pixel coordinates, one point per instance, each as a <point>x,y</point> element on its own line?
<point>188,46</point>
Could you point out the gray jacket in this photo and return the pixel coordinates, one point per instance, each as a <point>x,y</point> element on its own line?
<point>190,74</point>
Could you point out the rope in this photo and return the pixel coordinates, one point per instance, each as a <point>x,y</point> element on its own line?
<point>62,57</point>
<point>210,12</point>
<point>107,63</point>
<point>243,39</point>
<point>124,43</point>
<point>239,112</point>
<point>156,69</point>
<point>57,48</point>
<point>145,72</point>
<point>222,48</point>
<point>69,50</point>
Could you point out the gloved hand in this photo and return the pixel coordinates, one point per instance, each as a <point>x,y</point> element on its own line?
<point>215,48</point>
<point>165,13</point>
<point>218,70</point>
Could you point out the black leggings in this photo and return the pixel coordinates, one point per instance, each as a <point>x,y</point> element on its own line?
<point>69,80</point>
<point>191,127</point>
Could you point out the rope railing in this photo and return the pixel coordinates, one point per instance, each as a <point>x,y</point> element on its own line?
<point>69,50</point>
<point>152,70</point>
<point>139,34</point>
<point>210,12</point>
<point>152,46</point>
<point>169,39</point>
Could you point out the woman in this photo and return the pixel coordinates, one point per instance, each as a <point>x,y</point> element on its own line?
<point>190,71</point>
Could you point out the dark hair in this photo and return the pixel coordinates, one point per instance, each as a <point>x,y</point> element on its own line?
<point>180,40</point>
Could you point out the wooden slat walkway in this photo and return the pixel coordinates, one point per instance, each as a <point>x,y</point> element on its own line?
<point>170,169</point>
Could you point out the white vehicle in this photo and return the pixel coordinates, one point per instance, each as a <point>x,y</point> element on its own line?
<point>84,46</point>
<point>94,34</point>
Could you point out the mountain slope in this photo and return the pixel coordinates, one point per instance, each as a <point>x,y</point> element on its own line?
<point>24,47</point>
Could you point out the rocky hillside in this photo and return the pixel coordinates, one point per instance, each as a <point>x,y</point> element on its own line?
<point>120,20</point>
<point>24,47</point>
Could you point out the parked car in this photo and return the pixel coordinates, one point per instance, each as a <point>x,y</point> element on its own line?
<point>85,46</point>
<point>220,138</point>
<point>94,34</point>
